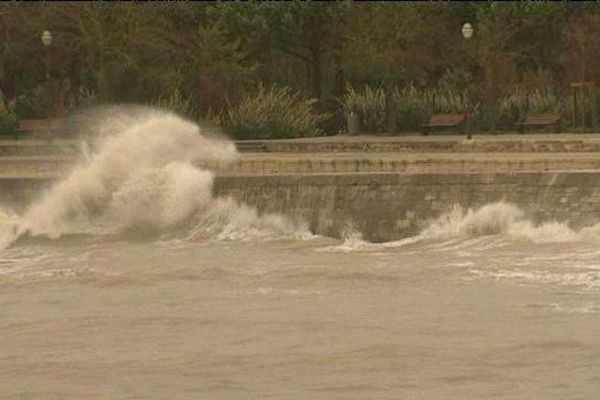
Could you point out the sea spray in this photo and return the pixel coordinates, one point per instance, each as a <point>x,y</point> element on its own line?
<point>352,240</point>
<point>498,218</point>
<point>9,227</point>
<point>502,219</point>
<point>145,171</point>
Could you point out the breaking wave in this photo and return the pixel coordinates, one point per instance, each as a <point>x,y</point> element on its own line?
<point>503,219</point>
<point>497,219</point>
<point>460,225</point>
<point>145,171</point>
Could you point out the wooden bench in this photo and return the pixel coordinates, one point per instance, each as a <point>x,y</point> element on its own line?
<point>540,120</point>
<point>250,147</point>
<point>445,121</point>
<point>46,127</point>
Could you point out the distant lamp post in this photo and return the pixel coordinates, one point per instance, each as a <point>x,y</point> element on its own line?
<point>467,33</point>
<point>467,30</point>
<point>47,41</point>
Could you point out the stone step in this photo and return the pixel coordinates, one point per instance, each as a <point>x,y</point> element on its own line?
<point>556,143</point>
<point>564,143</point>
<point>285,163</point>
<point>406,165</point>
<point>250,146</point>
<point>9,148</point>
<point>35,164</point>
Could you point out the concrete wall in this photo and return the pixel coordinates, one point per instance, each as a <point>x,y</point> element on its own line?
<point>391,206</point>
<point>433,144</point>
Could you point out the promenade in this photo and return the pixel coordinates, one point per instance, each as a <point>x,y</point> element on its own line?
<point>353,154</point>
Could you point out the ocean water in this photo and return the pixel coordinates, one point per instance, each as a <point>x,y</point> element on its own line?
<point>128,280</point>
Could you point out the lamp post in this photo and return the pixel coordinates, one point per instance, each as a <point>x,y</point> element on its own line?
<point>467,30</point>
<point>467,33</point>
<point>47,41</point>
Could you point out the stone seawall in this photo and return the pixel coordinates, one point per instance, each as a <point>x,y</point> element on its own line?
<point>391,206</point>
<point>541,143</point>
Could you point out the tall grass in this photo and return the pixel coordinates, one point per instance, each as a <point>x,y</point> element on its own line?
<point>371,106</point>
<point>518,102</point>
<point>274,112</point>
<point>411,105</point>
<point>175,102</point>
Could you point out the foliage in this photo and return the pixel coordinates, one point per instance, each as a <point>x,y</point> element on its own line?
<point>7,116</point>
<point>208,56</point>
<point>275,112</point>
<point>413,106</point>
<point>515,105</point>
<point>175,102</point>
<point>370,104</point>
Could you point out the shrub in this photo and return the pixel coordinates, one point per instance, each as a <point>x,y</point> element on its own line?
<point>175,102</point>
<point>371,106</point>
<point>514,105</point>
<point>7,116</point>
<point>275,112</point>
<point>412,106</point>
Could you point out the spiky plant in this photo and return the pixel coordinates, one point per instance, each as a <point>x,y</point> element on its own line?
<point>371,106</point>
<point>274,112</point>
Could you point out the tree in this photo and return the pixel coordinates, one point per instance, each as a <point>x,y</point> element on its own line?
<point>580,56</point>
<point>299,30</point>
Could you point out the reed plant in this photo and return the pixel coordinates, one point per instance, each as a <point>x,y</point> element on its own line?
<point>175,102</point>
<point>518,102</point>
<point>412,106</point>
<point>370,104</point>
<point>272,112</point>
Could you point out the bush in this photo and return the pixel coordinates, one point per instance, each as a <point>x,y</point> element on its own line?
<point>268,113</point>
<point>175,102</point>
<point>371,106</point>
<point>412,106</point>
<point>7,117</point>
<point>515,105</point>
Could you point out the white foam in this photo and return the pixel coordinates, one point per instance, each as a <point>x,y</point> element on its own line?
<point>499,219</point>
<point>146,170</point>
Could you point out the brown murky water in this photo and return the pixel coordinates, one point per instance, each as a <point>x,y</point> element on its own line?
<point>459,318</point>
<point>128,280</point>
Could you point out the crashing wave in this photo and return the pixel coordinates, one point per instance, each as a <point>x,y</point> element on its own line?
<point>151,171</point>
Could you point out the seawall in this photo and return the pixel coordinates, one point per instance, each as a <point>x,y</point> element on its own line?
<point>388,206</point>
<point>511,143</point>
<point>392,206</point>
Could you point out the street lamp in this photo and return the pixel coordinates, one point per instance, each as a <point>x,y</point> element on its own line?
<point>467,33</point>
<point>467,30</point>
<point>47,41</point>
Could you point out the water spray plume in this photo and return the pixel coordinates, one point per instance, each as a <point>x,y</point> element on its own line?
<point>146,170</point>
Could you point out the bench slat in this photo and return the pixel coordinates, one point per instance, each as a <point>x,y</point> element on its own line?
<point>30,125</point>
<point>445,120</point>
<point>540,119</point>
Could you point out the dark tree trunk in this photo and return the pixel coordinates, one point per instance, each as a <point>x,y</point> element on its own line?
<point>316,66</point>
<point>338,65</point>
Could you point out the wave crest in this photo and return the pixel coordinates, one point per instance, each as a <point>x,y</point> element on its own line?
<point>150,171</point>
<point>497,219</point>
